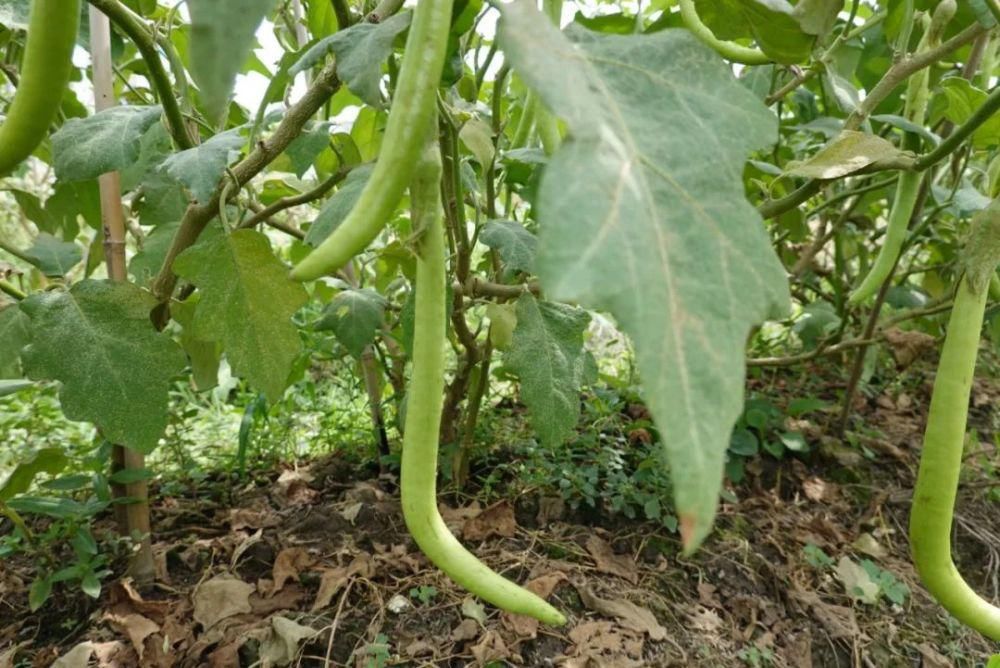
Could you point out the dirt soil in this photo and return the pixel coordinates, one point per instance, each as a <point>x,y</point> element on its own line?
<point>314,568</point>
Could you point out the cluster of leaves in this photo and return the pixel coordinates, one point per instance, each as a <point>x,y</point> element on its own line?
<point>638,203</point>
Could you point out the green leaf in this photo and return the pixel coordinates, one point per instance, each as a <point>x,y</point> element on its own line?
<point>73,199</point>
<point>46,460</point>
<point>247,303</point>
<point>222,37</point>
<point>546,353</point>
<point>115,368</point>
<point>642,213</point>
<point>963,100</point>
<point>14,335</point>
<point>39,592</point>
<point>817,17</point>
<point>145,264</point>
<point>85,148</point>
<point>503,322</point>
<point>354,316</point>
<point>303,150</point>
<point>32,209</point>
<point>846,153</point>
<point>163,200</point>
<point>771,23</point>
<point>203,355</point>
<point>52,256</point>
<point>360,51</point>
<point>338,206</point>
<point>477,135</point>
<point>516,245</point>
<point>200,168</point>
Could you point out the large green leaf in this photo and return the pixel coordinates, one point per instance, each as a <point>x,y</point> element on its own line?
<point>222,36</point>
<point>201,167</point>
<point>145,264</point>
<point>46,460</point>
<point>515,244</point>
<point>338,206</point>
<point>247,303</point>
<point>85,148</point>
<point>360,51</point>
<point>642,213</point>
<point>546,353</point>
<point>115,368</point>
<point>771,23</point>
<point>52,256</point>
<point>203,355</point>
<point>14,335</point>
<point>71,200</point>
<point>354,317</point>
<point>963,101</point>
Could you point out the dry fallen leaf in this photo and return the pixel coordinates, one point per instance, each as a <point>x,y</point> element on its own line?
<point>490,647</point>
<point>858,584</point>
<point>608,562</point>
<point>288,564</point>
<point>136,627</point>
<point>222,596</point>
<point>281,645</point>
<point>496,520</point>
<point>600,644</point>
<point>839,621</point>
<point>931,658</point>
<point>527,627</point>
<point>332,579</point>
<point>908,345</point>
<point>294,489</point>
<point>467,630</point>
<point>628,614</point>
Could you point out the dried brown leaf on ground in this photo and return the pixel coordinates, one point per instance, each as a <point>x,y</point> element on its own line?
<point>288,564</point>
<point>527,627</point>
<point>280,645</point>
<point>600,644</point>
<point>222,596</point>
<point>288,598</point>
<point>260,516</point>
<point>496,520</point>
<point>906,346</point>
<point>333,579</point>
<point>491,647</point>
<point>931,658</point>
<point>631,616</point>
<point>838,620</point>
<point>468,629</point>
<point>136,627</point>
<point>607,561</point>
<point>293,488</point>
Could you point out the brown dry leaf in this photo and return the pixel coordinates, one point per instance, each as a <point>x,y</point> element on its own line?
<point>543,586</point>
<point>8,656</point>
<point>839,621</point>
<point>294,489</point>
<point>288,598</point>
<point>245,545</point>
<point>222,596</point>
<point>496,520</point>
<point>253,518</point>
<point>930,658</point>
<point>707,595</point>
<point>599,644</point>
<point>288,564</point>
<point>124,600</point>
<point>608,562</point>
<point>490,647</point>
<point>907,345</point>
<point>798,650</point>
<point>136,627</point>
<point>281,644</point>
<point>631,616</point>
<point>705,620</point>
<point>226,655</point>
<point>867,544</point>
<point>467,630</point>
<point>819,490</point>
<point>78,657</point>
<point>455,518</point>
<point>550,508</point>
<point>332,579</point>
<point>418,648</point>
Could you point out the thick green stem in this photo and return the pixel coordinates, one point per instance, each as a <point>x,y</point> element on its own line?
<point>728,50</point>
<point>412,110</point>
<point>418,483</point>
<point>52,28</point>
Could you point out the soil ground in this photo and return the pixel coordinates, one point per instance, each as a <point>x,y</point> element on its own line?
<point>313,567</point>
